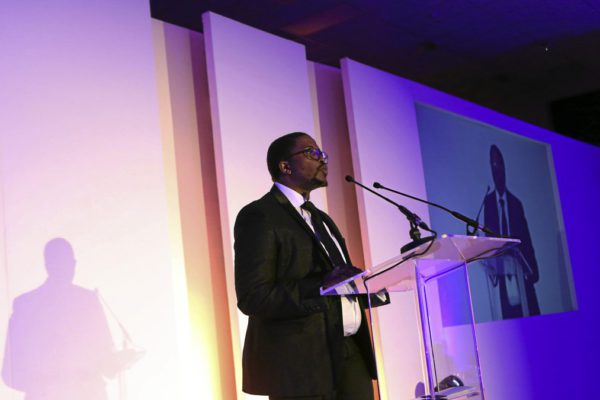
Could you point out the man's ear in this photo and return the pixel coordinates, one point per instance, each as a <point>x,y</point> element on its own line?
<point>285,168</point>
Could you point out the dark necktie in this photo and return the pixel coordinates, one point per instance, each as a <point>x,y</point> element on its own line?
<point>503,223</point>
<point>321,233</point>
<point>317,222</point>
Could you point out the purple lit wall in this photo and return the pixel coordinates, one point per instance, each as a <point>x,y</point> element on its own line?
<point>553,355</point>
<point>138,142</point>
<point>82,158</point>
<point>259,89</point>
<point>542,357</point>
<point>381,118</point>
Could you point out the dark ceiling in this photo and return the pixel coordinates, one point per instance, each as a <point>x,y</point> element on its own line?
<point>536,60</point>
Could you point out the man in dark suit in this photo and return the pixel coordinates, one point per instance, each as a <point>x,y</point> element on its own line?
<point>504,213</point>
<point>298,344</point>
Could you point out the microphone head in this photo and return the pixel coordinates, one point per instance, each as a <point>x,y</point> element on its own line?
<point>377,185</point>
<point>349,178</point>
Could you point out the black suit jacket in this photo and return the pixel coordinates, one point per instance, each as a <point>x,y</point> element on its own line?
<point>519,229</point>
<point>294,338</point>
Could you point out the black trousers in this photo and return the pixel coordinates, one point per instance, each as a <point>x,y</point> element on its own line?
<point>356,382</point>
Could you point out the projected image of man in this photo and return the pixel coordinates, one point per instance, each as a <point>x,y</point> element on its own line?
<point>504,213</point>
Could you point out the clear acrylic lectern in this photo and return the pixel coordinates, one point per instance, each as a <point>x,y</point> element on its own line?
<point>437,273</point>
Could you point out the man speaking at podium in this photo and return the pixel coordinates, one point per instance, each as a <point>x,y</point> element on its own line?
<point>299,345</point>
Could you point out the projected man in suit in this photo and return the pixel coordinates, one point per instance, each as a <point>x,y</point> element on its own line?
<point>504,214</point>
<point>298,344</point>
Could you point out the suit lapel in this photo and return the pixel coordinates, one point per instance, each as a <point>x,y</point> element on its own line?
<point>494,223</point>
<point>285,203</point>
<point>511,208</point>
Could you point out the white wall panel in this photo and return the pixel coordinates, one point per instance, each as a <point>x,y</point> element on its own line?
<point>385,148</point>
<point>259,88</point>
<point>193,204</point>
<point>82,159</point>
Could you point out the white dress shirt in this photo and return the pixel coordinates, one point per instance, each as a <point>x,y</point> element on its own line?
<point>504,199</point>
<point>509,266</point>
<point>351,315</point>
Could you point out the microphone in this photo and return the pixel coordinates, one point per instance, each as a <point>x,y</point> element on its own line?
<point>414,219</point>
<point>455,214</point>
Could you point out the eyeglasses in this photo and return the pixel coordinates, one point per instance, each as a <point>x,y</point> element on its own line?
<point>312,154</point>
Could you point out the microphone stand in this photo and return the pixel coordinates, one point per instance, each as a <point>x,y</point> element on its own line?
<point>455,214</point>
<point>475,229</point>
<point>415,221</point>
<point>127,344</point>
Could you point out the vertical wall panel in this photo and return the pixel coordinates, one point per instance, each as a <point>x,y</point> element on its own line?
<point>330,106</point>
<point>333,127</point>
<point>385,148</point>
<point>82,159</point>
<point>259,90</point>
<point>187,137</point>
<point>5,299</point>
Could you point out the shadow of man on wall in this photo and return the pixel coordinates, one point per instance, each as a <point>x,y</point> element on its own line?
<point>58,344</point>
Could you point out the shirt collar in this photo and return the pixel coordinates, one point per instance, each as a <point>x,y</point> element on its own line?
<point>294,197</point>
<point>500,197</point>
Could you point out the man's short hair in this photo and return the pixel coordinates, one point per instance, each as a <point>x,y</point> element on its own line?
<point>279,149</point>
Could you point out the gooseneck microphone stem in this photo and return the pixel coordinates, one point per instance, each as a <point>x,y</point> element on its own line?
<point>456,214</point>
<point>414,220</point>
<point>407,213</point>
<point>487,191</point>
